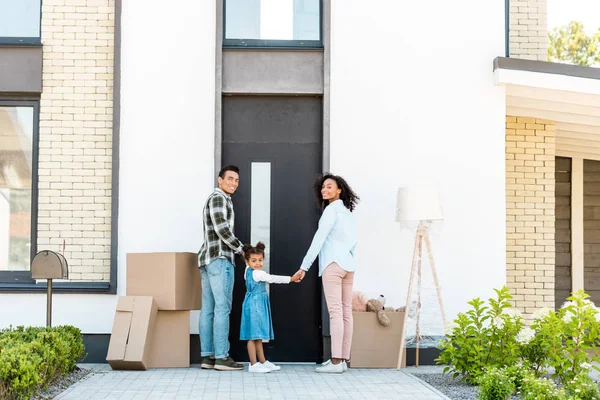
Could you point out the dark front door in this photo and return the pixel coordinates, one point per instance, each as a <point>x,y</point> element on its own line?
<point>276,143</point>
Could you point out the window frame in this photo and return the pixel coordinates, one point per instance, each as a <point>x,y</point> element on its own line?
<point>272,43</point>
<point>9,41</point>
<point>21,281</point>
<point>24,277</point>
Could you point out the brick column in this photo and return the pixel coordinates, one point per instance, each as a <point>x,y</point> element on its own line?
<point>529,30</point>
<point>530,248</point>
<point>76,134</point>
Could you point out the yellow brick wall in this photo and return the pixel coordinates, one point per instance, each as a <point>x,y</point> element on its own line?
<point>530,252</point>
<point>528,30</point>
<point>76,112</point>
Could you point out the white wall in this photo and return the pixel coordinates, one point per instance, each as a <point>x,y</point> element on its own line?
<point>166,152</point>
<point>413,101</point>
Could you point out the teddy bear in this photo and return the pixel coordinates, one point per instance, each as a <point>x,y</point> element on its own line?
<point>359,301</point>
<point>378,306</point>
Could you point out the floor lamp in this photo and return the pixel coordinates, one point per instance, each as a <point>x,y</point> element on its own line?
<point>419,205</point>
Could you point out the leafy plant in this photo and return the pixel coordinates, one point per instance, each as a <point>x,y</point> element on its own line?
<point>495,384</point>
<point>535,388</point>
<point>516,373</point>
<point>568,339</point>
<point>582,387</point>
<point>484,337</point>
<point>31,358</point>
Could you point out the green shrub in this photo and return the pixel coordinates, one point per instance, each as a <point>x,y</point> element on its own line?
<point>516,373</point>
<point>495,384</point>
<point>582,387</point>
<point>32,357</point>
<point>19,375</point>
<point>567,339</point>
<point>484,337</point>
<point>535,388</point>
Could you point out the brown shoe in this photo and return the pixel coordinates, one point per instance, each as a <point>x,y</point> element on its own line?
<point>208,363</point>
<point>227,364</point>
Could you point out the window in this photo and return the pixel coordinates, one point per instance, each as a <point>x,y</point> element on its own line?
<point>272,23</point>
<point>18,178</point>
<point>260,208</point>
<point>20,21</point>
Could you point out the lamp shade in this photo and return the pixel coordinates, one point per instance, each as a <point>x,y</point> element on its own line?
<point>418,204</point>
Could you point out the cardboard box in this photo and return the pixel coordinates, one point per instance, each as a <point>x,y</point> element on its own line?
<point>170,346</point>
<point>129,345</point>
<point>374,345</point>
<point>173,279</point>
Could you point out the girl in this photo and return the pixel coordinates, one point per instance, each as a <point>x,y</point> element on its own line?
<point>256,310</point>
<point>334,243</point>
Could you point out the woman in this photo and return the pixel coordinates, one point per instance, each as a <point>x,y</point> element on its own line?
<point>334,243</point>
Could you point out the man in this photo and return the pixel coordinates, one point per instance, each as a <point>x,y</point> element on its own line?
<point>216,262</point>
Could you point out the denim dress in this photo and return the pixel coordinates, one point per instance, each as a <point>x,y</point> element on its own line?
<point>256,311</point>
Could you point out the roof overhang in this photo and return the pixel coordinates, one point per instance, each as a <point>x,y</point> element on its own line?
<point>566,94</point>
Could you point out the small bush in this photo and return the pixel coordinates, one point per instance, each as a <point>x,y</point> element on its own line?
<point>569,337</point>
<point>516,373</point>
<point>535,388</point>
<point>485,337</point>
<point>582,387</point>
<point>495,384</point>
<point>31,358</point>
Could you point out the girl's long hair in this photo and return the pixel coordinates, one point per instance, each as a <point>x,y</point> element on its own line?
<point>347,195</point>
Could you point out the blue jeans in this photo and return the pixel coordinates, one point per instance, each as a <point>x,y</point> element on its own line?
<point>217,294</point>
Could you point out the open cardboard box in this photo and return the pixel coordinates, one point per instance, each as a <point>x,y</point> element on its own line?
<point>374,345</point>
<point>173,279</point>
<point>132,332</point>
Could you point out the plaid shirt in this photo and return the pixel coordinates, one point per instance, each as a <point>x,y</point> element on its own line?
<point>219,239</point>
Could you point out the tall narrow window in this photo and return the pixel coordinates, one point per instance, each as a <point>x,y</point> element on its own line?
<point>20,21</point>
<point>16,184</point>
<point>265,23</point>
<point>260,207</point>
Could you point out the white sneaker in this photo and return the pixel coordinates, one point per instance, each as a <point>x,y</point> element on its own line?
<point>344,366</point>
<point>330,368</point>
<point>258,368</point>
<point>270,366</point>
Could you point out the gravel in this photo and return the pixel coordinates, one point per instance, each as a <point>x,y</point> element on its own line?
<point>61,384</point>
<point>454,388</point>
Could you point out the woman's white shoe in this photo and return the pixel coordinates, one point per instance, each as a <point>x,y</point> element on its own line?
<point>258,368</point>
<point>330,368</point>
<point>270,366</point>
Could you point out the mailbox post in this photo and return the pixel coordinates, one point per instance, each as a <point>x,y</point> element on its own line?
<point>49,265</point>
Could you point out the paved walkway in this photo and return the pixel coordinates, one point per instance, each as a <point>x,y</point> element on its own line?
<point>294,381</point>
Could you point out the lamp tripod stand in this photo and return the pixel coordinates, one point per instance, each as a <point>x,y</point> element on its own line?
<point>421,236</point>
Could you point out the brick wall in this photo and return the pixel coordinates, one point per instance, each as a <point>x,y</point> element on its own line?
<point>530,183</point>
<point>529,30</point>
<point>76,134</point>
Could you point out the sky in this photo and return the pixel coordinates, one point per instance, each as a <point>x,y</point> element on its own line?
<point>560,12</point>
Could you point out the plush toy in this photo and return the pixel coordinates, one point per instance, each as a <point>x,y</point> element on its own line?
<point>359,301</point>
<point>378,306</point>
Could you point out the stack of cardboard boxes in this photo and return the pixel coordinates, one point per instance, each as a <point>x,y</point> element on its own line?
<point>152,322</point>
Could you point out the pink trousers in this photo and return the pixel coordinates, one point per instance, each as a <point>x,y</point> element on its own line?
<point>337,285</point>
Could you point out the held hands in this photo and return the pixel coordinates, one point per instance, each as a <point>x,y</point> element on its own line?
<point>298,276</point>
